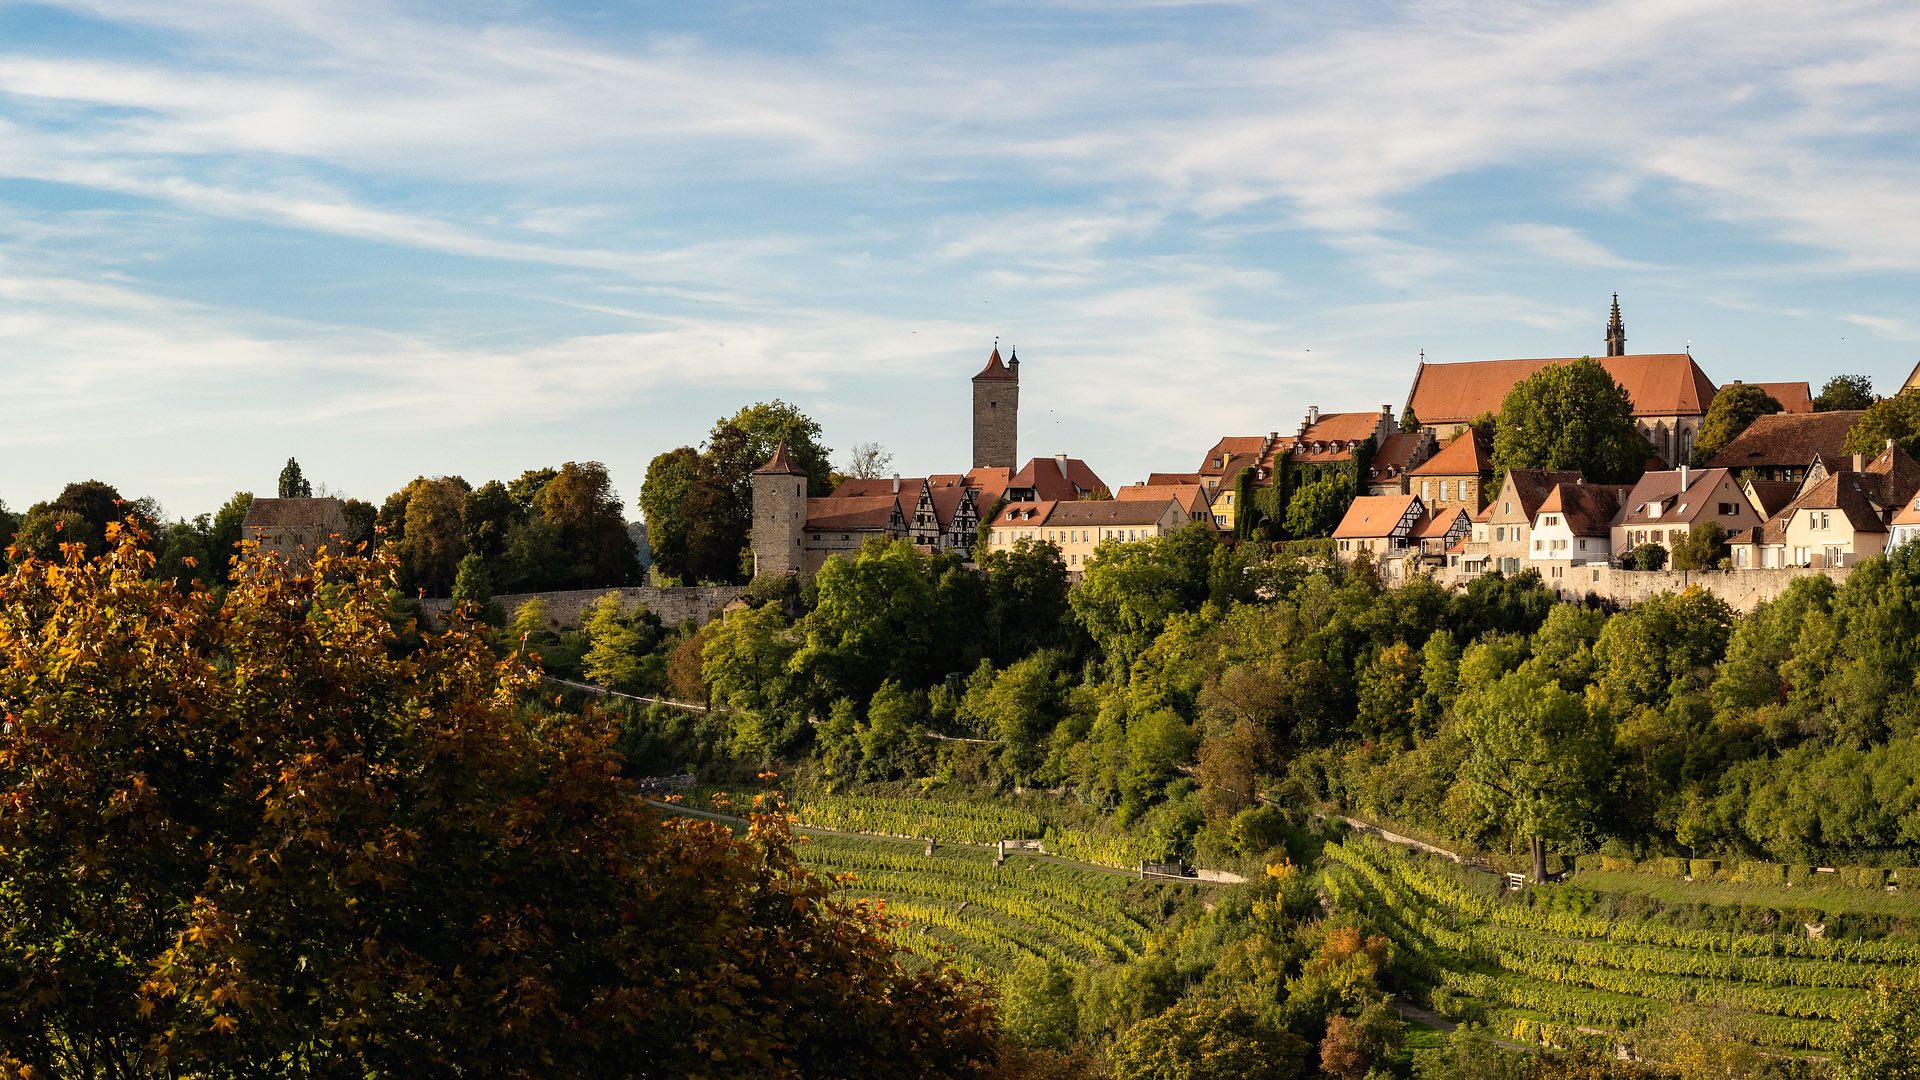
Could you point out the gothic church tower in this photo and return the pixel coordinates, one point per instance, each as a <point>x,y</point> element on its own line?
<point>1616,331</point>
<point>779,514</point>
<point>996,413</point>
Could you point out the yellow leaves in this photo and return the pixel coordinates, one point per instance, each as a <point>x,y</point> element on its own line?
<point>224,1024</point>
<point>1281,870</point>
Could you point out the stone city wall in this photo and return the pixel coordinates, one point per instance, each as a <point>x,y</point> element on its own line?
<point>1743,590</point>
<point>700,603</point>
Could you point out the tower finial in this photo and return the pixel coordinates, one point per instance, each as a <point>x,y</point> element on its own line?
<point>1616,331</point>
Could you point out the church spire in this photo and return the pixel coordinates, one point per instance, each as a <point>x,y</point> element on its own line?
<point>1616,331</point>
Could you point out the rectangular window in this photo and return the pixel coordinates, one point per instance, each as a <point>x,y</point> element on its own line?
<point>1426,490</point>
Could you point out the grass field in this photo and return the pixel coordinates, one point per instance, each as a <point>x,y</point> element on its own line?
<point>1832,899</point>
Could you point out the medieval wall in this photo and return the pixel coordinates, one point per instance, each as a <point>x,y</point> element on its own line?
<point>1743,590</point>
<point>702,603</point>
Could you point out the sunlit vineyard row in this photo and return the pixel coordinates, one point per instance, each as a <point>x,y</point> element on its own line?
<point>1548,969</point>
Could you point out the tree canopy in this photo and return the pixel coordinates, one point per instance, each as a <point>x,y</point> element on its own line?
<point>1845,392</point>
<point>1896,418</point>
<point>1734,409</point>
<point>260,836</point>
<point>1570,416</point>
<point>293,483</point>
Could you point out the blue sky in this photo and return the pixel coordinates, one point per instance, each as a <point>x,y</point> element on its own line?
<point>401,239</point>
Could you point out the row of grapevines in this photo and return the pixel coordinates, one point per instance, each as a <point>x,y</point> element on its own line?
<point>941,819</point>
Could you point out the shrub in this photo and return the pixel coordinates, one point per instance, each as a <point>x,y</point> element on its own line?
<point>1799,874</point>
<point>1759,873</point>
<point>1668,866</point>
<point>1702,869</point>
<point>1616,863</point>
<point>1596,862</point>
<point>1863,877</point>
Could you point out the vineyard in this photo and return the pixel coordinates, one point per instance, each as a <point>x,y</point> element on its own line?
<point>992,917</point>
<point>954,821</point>
<point>1547,974</point>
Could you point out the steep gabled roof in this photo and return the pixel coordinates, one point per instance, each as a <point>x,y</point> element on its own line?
<point>1787,440</point>
<point>995,370</point>
<point>1855,495</point>
<point>1191,497</point>
<point>1432,526</point>
<point>1770,497</point>
<point>1469,454</point>
<point>1588,509</point>
<point>1374,516</point>
<point>1229,447</point>
<point>1660,384</point>
<point>1794,397</point>
<point>1532,486</point>
<point>1057,478</point>
<point>1677,506</point>
<point>1900,473</point>
<point>989,484</point>
<point>1395,455</point>
<point>780,464</point>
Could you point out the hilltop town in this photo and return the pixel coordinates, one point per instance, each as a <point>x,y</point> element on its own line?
<point>1418,493</point>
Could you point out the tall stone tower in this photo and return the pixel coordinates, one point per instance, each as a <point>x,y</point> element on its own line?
<point>1616,331</point>
<point>996,413</point>
<point>779,514</point>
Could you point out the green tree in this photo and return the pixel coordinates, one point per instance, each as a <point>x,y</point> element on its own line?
<point>398,870</point>
<point>871,621</point>
<point>1206,1040</point>
<point>1027,594</point>
<point>1037,1007</point>
<point>747,661</point>
<point>360,516</point>
<point>621,647</point>
<point>471,582</point>
<point>490,514</point>
<point>1646,557</point>
<point>1316,508</point>
<point>1660,647</point>
<point>1129,590</point>
<point>1570,416</point>
<point>1895,419</point>
<point>663,503</point>
<point>1734,409</point>
<point>1881,1039</point>
<point>223,538</point>
<point>1845,392</point>
<point>581,508</point>
<point>1536,758</point>
<point>1702,548</point>
<point>293,483</point>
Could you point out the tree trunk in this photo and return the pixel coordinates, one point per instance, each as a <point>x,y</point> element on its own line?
<point>1539,847</point>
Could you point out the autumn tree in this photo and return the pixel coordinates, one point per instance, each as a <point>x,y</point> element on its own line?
<point>1570,416</point>
<point>1845,392</point>
<point>1734,409</point>
<point>1881,1039</point>
<point>252,837</point>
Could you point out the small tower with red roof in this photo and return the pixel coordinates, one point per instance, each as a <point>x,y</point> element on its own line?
<point>779,514</point>
<point>996,413</point>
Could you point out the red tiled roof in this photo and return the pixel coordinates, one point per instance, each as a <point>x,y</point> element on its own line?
<point>1373,516</point>
<point>1469,454</point>
<point>1025,513</point>
<point>1055,478</point>
<point>1343,426</point>
<point>947,499</point>
<point>989,484</point>
<point>1161,479</point>
<point>780,464</point>
<point>1794,397</point>
<point>908,494</point>
<point>1660,384</point>
<point>1901,473</point>
<point>1231,446</point>
<point>1857,495</point>
<point>1395,455</point>
<point>1588,508</point>
<point>1532,486</point>
<point>1787,440</point>
<point>995,369</point>
<point>1772,496</point>
<point>1435,525</point>
<point>852,513</point>
<point>1191,497</point>
<point>1677,506</point>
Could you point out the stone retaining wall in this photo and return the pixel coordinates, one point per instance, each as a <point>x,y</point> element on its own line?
<point>1743,590</point>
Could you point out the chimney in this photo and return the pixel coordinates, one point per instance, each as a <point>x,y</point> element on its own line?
<point>1313,415</point>
<point>896,483</point>
<point>1061,460</point>
<point>1859,463</point>
<point>1684,478</point>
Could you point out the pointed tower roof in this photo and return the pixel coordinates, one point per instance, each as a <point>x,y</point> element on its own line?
<point>781,464</point>
<point>995,369</point>
<point>1616,331</point>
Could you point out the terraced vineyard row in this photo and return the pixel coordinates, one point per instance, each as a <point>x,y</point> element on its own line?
<point>1783,991</point>
<point>990,916</point>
